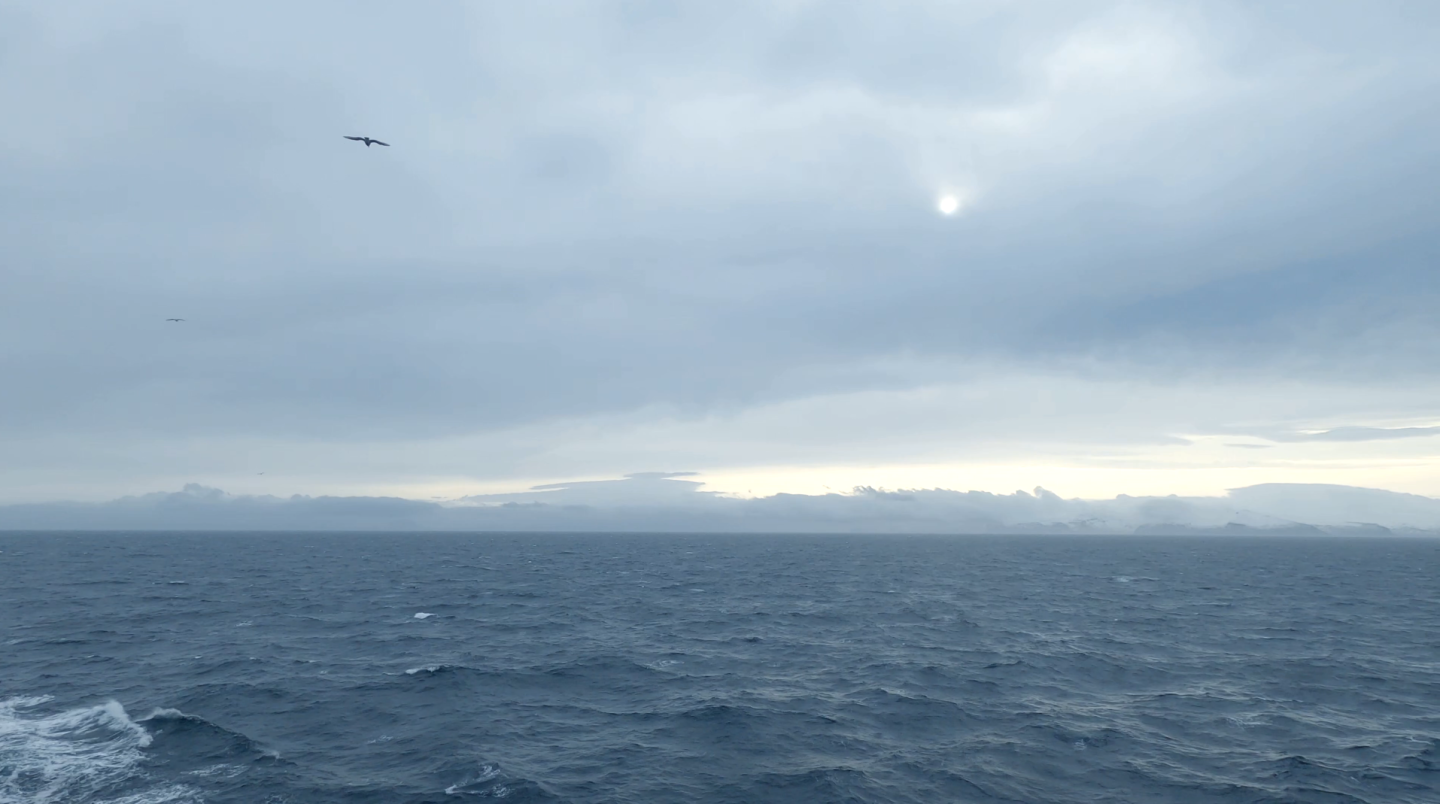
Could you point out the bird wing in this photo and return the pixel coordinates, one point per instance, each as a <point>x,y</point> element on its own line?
<point>357,139</point>
<point>377,142</point>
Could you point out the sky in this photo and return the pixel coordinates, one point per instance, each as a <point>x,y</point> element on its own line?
<point>1191,246</point>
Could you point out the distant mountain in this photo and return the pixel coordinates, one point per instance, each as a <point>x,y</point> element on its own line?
<point>661,502</point>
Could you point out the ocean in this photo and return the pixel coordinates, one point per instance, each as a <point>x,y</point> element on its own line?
<point>201,667</point>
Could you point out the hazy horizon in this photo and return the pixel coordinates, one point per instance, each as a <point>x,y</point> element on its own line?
<point>676,502</point>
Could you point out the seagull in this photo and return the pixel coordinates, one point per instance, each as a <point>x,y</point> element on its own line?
<point>368,141</point>
<point>174,319</point>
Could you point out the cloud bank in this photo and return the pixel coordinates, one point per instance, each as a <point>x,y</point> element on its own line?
<point>666,502</point>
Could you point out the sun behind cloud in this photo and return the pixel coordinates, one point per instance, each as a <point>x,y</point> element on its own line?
<point>952,200</point>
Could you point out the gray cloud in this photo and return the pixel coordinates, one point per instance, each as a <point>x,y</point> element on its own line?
<point>601,211</point>
<point>1359,434</point>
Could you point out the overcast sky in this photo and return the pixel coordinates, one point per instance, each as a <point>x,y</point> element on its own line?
<point>1195,245</point>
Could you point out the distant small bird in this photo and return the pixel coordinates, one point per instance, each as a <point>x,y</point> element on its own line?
<point>174,319</point>
<point>368,141</point>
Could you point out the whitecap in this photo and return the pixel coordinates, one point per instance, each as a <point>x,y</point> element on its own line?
<point>222,771</point>
<point>164,714</point>
<point>75,755</point>
<point>466,786</point>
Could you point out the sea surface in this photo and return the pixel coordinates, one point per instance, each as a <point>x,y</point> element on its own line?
<point>146,668</point>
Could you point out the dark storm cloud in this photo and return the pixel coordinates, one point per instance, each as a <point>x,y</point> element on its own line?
<point>598,208</point>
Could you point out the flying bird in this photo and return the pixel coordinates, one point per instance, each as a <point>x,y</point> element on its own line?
<point>174,319</point>
<point>368,141</point>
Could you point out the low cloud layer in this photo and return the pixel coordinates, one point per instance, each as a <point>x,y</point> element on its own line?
<point>667,502</point>
<point>1360,434</point>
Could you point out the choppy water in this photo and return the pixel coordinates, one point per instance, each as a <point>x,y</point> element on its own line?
<point>448,668</point>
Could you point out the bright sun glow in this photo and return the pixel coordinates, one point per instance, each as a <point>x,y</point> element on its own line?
<point>948,205</point>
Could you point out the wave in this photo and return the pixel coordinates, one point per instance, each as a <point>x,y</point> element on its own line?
<point>591,670</point>
<point>902,711</point>
<point>814,784</point>
<point>606,668</point>
<point>1428,759</point>
<point>180,739</point>
<point>490,781</point>
<point>79,755</point>
<point>443,669</point>
<point>477,782</point>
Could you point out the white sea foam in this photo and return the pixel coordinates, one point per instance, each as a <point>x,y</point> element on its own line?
<point>76,755</point>
<point>168,794</point>
<point>163,713</point>
<point>487,773</point>
<point>429,668</point>
<point>221,771</point>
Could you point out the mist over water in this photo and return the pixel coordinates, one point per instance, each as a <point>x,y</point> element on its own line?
<point>147,668</point>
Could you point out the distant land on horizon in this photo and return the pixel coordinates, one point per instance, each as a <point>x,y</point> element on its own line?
<point>666,502</point>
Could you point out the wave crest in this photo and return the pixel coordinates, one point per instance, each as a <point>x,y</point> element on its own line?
<point>76,755</point>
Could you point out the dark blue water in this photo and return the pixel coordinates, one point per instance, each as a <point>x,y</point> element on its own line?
<point>448,668</point>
